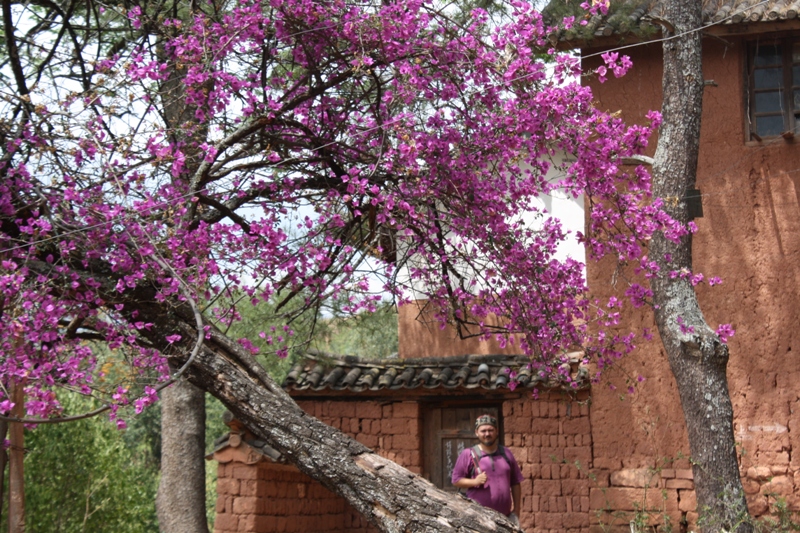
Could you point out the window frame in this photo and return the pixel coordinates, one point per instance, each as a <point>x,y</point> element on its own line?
<point>790,114</point>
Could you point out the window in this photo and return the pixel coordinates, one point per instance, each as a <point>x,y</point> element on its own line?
<point>447,432</point>
<point>774,75</point>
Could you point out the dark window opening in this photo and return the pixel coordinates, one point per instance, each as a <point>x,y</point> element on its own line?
<point>774,86</point>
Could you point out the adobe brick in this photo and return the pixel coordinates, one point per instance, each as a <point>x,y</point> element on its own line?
<point>255,523</point>
<point>575,520</point>
<point>779,484</point>
<point>758,505</point>
<point>772,458</point>
<point>248,487</point>
<point>394,426</point>
<point>605,528</point>
<point>405,410</point>
<point>520,453</point>
<point>629,499</point>
<point>667,473</point>
<point>368,410</point>
<point>552,454</point>
<point>576,426</point>
<point>550,520</point>
<point>558,503</point>
<point>562,409</point>
<point>552,409</point>
<point>414,457</point>
<point>245,472</point>
<point>679,484</point>
<point>606,463</point>
<point>575,487</point>
<point>342,409</point>
<point>246,505</point>
<point>517,424</point>
<point>547,487</point>
<point>684,473</point>
<point>687,500</point>
<point>586,505</point>
<point>751,486</point>
<point>534,503</point>
<point>220,505</point>
<point>545,426</point>
<point>579,454</point>
<point>226,522</point>
<point>759,472</point>
<point>635,477</point>
<point>778,470</point>
<point>228,486</point>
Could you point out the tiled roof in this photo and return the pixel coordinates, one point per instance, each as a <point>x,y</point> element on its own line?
<point>638,16</point>
<point>488,372</point>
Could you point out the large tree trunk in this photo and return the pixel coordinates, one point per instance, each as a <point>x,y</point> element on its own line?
<point>181,500</point>
<point>696,355</point>
<point>389,496</point>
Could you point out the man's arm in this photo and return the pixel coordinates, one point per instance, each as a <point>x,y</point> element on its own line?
<point>515,497</point>
<point>467,483</point>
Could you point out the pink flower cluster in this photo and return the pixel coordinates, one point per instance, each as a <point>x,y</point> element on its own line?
<point>285,147</point>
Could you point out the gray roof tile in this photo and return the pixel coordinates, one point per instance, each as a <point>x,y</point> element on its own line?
<point>325,373</point>
<point>638,16</point>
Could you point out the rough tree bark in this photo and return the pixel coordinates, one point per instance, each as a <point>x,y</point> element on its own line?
<point>697,356</point>
<point>181,499</point>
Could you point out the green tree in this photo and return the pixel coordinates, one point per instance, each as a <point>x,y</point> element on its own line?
<point>82,477</point>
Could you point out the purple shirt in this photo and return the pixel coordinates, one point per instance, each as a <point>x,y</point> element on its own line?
<point>501,474</point>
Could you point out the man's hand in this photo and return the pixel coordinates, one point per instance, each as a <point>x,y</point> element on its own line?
<point>480,479</point>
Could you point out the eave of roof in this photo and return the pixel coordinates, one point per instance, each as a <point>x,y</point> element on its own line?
<point>325,374</point>
<point>642,20</point>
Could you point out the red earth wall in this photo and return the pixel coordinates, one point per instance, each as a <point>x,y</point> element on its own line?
<point>750,237</point>
<point>550,437</point>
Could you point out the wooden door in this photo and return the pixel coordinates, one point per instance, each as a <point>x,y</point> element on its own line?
<point>448,431</point>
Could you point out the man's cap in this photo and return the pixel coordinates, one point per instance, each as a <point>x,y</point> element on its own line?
<point>485,420</point>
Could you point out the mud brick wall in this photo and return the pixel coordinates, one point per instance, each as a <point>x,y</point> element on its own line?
<point>749,237</point>
<point>391,429</point>
<point>551,439</point>
<point>258,496</point>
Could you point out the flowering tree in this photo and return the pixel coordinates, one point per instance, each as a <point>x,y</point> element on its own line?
<point>165,164</point>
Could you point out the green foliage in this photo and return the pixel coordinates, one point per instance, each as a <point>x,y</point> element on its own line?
<point>369,335</point>
<point>87,476</point>
<point>82,477</point>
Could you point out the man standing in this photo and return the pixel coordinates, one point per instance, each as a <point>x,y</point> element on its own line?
<point>489,471</point>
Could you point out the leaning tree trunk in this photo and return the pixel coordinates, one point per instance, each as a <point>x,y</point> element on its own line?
<point>696,355</point>
<point>389,496</point>
<point>181,499</point>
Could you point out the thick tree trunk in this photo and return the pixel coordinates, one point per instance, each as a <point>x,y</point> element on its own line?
<point>181,499</point>
<point>696,355</point>
<point>389,496</point>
